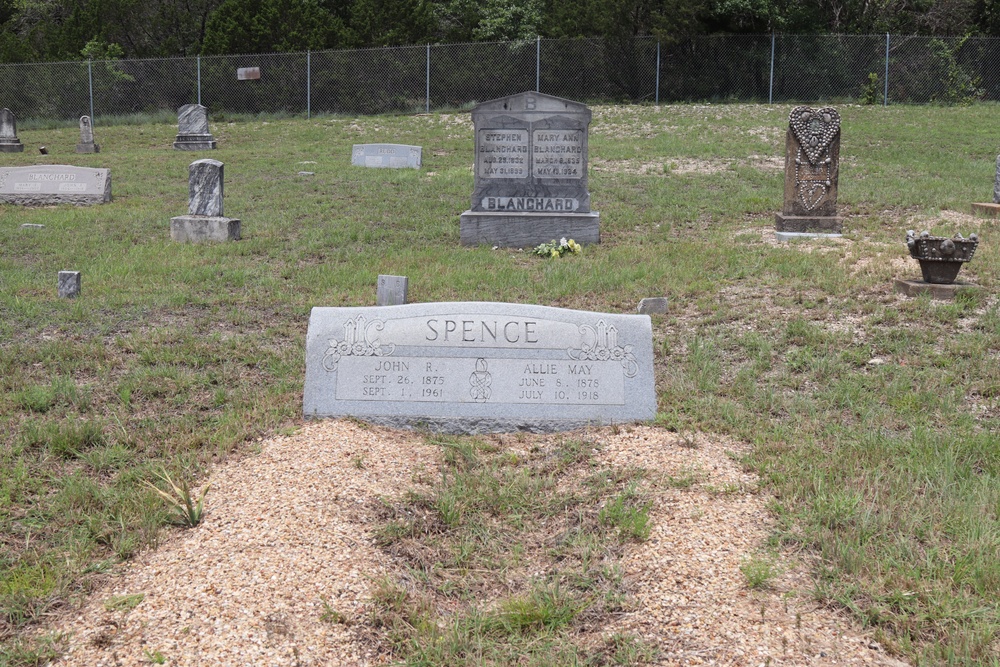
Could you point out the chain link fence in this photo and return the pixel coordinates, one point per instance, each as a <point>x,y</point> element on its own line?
<point>872,69</point>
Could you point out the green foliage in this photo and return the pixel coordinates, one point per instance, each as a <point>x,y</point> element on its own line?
<point>960,87</point>
<point>188,511</point>
<point>264,26</point>
<point>871,90</point>
<point>759,571</point>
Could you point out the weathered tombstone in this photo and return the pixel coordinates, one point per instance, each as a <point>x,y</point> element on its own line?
<point>69,284</point>
<point>391,290</point>
<point>653,304</point>
<point>87,144</point>
<point>192,129</point>
<point>469,367</point>
<point>44,185</point>
<point>204,221</point>
<point>9,143</point>
<point>530,173</point>
<point>991,209</point>
<point>395,156</point>
<point>812,166</point>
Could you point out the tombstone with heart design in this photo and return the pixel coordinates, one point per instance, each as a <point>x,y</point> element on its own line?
<point>812,166</point>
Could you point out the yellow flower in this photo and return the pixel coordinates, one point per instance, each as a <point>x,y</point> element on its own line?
<point>555,253</point>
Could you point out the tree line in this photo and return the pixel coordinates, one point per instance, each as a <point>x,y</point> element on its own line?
<point>50,30</point>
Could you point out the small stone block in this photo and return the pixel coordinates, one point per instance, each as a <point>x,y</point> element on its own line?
<point>653,304</point>
<point>307,173</point>
<point>31,225</point>
<point>391,290</point>
<point>69,284</point>
<point>199,229</point>
<point>914,288</point>
<point>526,230</point>
<point>986,209</point>
<point>791,236</point>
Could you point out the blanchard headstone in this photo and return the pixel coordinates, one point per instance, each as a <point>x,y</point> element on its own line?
<point>530,173</point>
<point>44,185</point>
<point>192,129</point>
<point>469,367</point>
<point>395,156</point>
<point>87,144</point>
<point>812,167</point>
<point>204,221</point>
<point>9,143</point>
<point>69,284</point>
<point>391,290</point>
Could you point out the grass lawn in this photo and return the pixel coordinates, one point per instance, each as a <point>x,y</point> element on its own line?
<point>873,418</point>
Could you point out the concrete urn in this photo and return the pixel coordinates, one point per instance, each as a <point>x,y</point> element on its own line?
<point>941,257</point>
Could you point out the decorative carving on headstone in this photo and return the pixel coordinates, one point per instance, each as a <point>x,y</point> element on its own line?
<point>812,167</point>
<point>204,221</point>
<point>360,339</point>
<point>940,257</point>
<point>9,143</point>
<point>87,144</point>
<point>192,129</point>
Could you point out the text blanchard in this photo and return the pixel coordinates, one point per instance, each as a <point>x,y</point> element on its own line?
<point>530,203</point>
<point>51,177</point>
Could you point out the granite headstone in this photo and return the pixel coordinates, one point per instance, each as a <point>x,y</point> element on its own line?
<point>205,220</point>
<point>192,129</point>
<point>44,185</point>
<point>530,173</point>
<point>471,367</point>
<point>394,156</point>
<point>69,284</point>
<point>9,143</point>
<point>87,144</point>
<point>391,290</point>
<point>812,167</point>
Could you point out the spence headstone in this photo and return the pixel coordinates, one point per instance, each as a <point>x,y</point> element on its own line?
<point>9,143</point>
<point>44,185</point>
<point>192,129</point>
<point>69,284</point>
<point>87,144</point>
<point>205,220</point>
<point>530,173</point>
<point>471,367</point>
<point>395,156</point>
<point>391,290</point>
<point>812,167</point>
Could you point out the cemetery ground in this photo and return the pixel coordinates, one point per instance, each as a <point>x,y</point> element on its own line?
<point>864,423</point>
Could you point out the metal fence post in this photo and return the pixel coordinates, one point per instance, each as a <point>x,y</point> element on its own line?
<point>657,97</point>
<point>427,94</point>
<point>538,63</point>
<point>308,85</point>
<point>199,80</point>
<point>90,78</point>
<point>885,91</point>
<point>770,88</point>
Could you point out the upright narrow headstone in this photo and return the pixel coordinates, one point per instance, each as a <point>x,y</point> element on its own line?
<point>812,166</point>
<point>69,284</point>
<point>87,144</point>
<point>192,129</point>
<point>530,173</point>
<point>204,221</point>
<point>391,290</point>
<point>394,156</point>
<point>479,367</point>
<point>9,143</point>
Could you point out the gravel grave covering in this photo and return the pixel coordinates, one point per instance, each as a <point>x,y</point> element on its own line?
<point>288,537</point>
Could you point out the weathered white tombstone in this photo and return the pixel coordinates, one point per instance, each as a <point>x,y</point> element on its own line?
<point>87,144</point>
<point>812,170</point>
<point>394,156</point>
<point>391,290</point>
<point>470,367</point>
<point>205,220</point>
<point>653,304</point>
<point>9,143</point>
<point>44,185</point>
<point>69,284</point>
<point>530,173</point>
<point>192,129</point>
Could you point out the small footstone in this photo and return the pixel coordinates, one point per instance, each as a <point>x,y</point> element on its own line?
<point>653,304</point>
<point>307,173</point>
<point>69,284</point>
<point>391,290</point>
<point>30,225</point>
<point>914,288</point>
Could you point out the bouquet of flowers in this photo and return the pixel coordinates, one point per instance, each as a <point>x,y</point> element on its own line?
<point>553,249</point>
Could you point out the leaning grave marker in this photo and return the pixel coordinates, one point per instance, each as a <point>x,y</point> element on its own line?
<point>477,367</point>
<point>812,168</point>
<point>44,185</point>
<point>530,173</point>
<point>393,156</point>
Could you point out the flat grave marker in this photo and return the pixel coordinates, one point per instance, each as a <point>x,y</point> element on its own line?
<point>43,185</point>
<point>392,156</point>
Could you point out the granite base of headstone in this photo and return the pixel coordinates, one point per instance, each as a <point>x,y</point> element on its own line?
<point>940,292</point>
<point>653,305</point>
<point>69,284</point>
<point>45,185</point>
<point>205,220</point>
<point>389,156</point>
<point>812,169</point>
<point>9,143</point>
<point>192,129</point>
<point>87,144</point>
<point>391,290</point>
<point>530,173</point>
<point>470,367</point>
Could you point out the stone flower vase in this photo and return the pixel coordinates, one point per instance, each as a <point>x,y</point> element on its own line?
<point>941,257</point>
